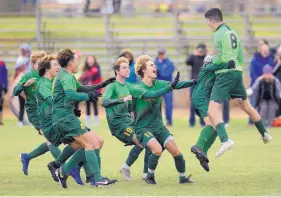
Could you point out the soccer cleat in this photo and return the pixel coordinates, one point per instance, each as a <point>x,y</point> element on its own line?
<point>186,180</point>
<point>62,179</point>
<point>150,179</point>
<point>199,154</point>
<point>144,175</point>
<point>126,173</point>
<point>103,182</point>
<point>75,173</point>
<point>224,147</point>
<point>266,138</point>
<point>53,169</point>
<point>205,166</point>
<point>25,162</point>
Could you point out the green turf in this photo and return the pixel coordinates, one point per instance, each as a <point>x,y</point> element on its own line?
<point>251,168</point>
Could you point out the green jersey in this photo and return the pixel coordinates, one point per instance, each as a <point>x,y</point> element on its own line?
<point>117,112</point>
<point>227,46</point>
<point>44,103</point>
<point>62,105</point>
<point>30,91</point>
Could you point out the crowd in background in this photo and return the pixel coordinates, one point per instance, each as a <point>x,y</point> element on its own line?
<point>264,89</point>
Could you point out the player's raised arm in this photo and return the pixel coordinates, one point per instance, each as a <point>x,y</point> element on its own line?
<point>19,87</point>
<point>90,88</point>
<point>107,100</point>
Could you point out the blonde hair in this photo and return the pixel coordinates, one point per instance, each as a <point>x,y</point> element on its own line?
<point>140,64</point>
<point>37,55</point>
<point>116,65</point>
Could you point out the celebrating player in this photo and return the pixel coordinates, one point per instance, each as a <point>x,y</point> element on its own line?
<point>228,83</point>
<point>149,126</point>
<point>28,85</point>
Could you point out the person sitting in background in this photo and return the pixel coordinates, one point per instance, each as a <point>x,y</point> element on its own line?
<point>129,55</point>
<point>267,92</point>
<point>3,87</point>
<point>91,75</point>
<point>165,69</point>
<point>195,60</point>
<point>259,60</point>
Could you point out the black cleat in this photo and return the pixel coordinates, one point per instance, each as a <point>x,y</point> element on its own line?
<point>186,180</point>
<point>62,179</point>
<point>53,169</point>
<point>150,179</point>
<point>89,179</point>
<point>199,154</point>
<point>205,165</point>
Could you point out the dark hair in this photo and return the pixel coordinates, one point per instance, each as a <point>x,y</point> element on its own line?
<point>214,14</point>
<point>65,56</point>
<point>87,66</point>
<point>129,53</point>
<point>45,64</point>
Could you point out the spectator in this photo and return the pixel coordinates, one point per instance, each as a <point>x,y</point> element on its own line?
<point>129,55</point>
<point>259,60</point>
<point>165,69</point>
<point>3,87</point>
<point>277,72</point>
<point>267,91</point>
<point>24,5</point>
<point>195,60</point>
<point>91,75</point>
<point>23,65</point>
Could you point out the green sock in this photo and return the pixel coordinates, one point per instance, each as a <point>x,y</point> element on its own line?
<point>152,163</point>
<point>55,151</point>
<point>93,164</point>
<point>97,151</point>
<point>87,170</point>
<point>210,142</point>
<point>67,152</point>
<point>204,136</point>
<point>221,132</point>
<point>40,150</point>
<point>74,161</point>
<point>260,126</point>
<point>146,158</point>
<point>180,165</point>
<point>133,155</point>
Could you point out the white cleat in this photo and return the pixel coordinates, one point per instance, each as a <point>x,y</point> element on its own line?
<point>267,138</point>
<point>20,124</point>
<point>224,147</point>
<point>126,173</point>
<point>144,175</point>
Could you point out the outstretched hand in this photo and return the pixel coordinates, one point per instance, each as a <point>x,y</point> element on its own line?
<point>108,81</point>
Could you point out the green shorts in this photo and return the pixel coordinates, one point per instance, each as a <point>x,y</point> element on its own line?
<point>201,106</point>
<point>145,135</point>
<point>228,85</point>
<point>33,119</point>
<point>52,136</point>
<point>125,135</point>
<point>69,128</point>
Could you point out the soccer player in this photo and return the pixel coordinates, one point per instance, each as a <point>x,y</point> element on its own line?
<point>228,83</point>
<point>66,91</point>
<point>28,85</point>
<point>117,100</point>
<point>149,127</point>
<point>200,100</point>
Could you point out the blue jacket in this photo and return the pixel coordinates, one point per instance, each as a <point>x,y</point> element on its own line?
<point>3,76</point>
<point>165,69</point>
<point>133,77</point>
<point>257,64</point>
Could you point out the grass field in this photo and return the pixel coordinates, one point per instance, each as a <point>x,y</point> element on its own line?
<point>251,168</point>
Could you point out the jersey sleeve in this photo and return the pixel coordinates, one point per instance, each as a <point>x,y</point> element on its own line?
<point>184,84</point>
<point>217,58</point>
<point>19,87</point>
<point>67,82</point>
<point>78,85</point>
<point>162,84</point>
<point>106,98</point>
<point>45,91</point>
<point>137,91</point>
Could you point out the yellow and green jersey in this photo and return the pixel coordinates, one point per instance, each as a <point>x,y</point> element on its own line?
<point>30,91</point>
<point>227,46</point>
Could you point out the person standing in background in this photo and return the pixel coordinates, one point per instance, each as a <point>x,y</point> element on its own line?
<point>91,75</point>
<point>277,72</point>
<point>3,88</point>
<point>259,60</point>
<point>129,55</point>
<point>165,69</point>
<point>195,60</point>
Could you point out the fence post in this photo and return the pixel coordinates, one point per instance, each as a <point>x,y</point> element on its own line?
<point>108,39</point>
<point>38,24</point>
<point>248,34</point>
<point>177,35</point>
